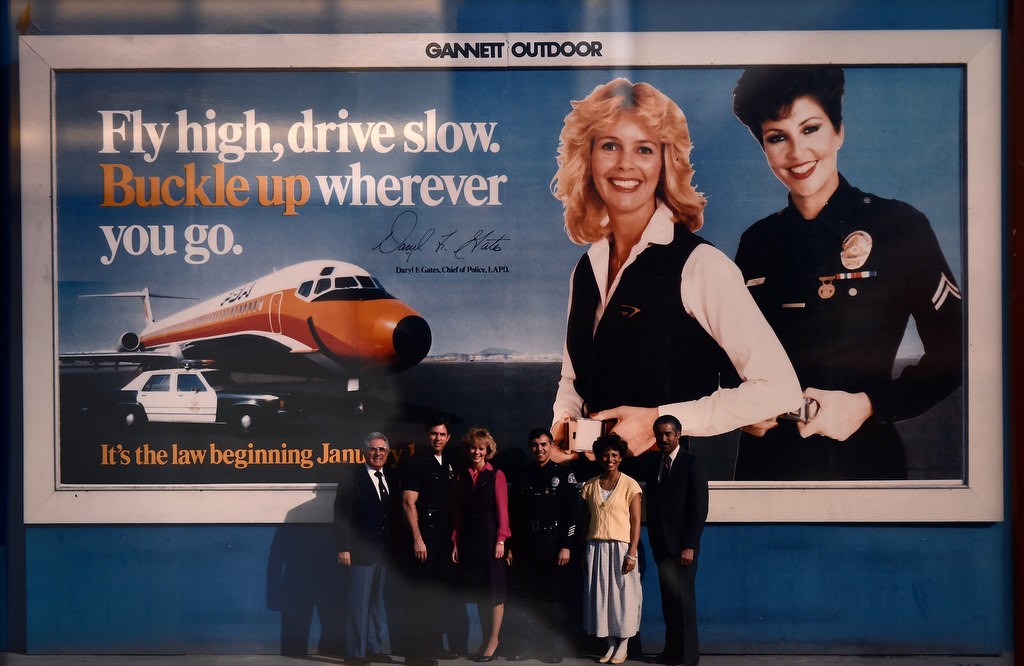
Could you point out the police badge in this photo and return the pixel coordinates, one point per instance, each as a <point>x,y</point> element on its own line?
<point>856,249</point>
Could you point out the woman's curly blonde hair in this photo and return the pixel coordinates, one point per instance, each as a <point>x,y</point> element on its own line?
<point>573,183</point>
<point>480,436</point>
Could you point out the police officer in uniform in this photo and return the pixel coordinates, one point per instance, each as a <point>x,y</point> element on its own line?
<point>838,273</point>
<point>544,506</point>
<point>433,607</point>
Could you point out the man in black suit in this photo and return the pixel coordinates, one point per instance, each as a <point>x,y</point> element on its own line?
<point>363,514</point>
<point>677,507</point>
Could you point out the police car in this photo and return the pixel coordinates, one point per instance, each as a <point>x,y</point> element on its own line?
<point>194,395</point>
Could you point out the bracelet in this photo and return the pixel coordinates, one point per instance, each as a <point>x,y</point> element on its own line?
<point>501,543</point>
<point>631,557</point>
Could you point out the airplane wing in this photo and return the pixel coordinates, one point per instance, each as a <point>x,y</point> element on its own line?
<point>146,360</point>
<point>261,354</point>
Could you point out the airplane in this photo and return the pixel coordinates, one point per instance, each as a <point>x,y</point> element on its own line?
<point>321,318</point>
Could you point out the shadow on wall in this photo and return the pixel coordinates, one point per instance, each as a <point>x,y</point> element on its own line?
<point>304,577</point>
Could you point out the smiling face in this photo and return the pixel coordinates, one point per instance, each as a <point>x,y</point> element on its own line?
<point>376,453</point>
<point>802,150</point>
<point>437,438</point>
<point>476,453</point>
<point>625,163</point>
<point>610,460</point>
<point>540,449</point>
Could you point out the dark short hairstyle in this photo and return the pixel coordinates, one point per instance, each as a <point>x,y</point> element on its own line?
<point>670,420</point>
<point>537,433</point>
<point>610,441</point>
<point>435,421</point>
<point>767,93</point>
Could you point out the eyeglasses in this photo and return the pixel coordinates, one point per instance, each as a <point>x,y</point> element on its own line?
<point>376,449</point>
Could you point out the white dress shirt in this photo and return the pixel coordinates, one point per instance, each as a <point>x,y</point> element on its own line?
<point>373,477</point>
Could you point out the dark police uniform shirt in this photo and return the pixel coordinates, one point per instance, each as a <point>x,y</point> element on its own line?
<point>544,508</point>
<point>839,291</point>
<point>433,481</point>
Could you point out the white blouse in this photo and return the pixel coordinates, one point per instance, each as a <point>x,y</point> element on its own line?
<point>713,293</point>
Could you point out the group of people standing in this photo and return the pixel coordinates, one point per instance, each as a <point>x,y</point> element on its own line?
<point>435,535</point>
<point>445,530</point>
<point>403,527</point>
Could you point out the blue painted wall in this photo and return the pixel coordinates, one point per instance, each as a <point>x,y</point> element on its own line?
<point>229,588</point>
<point>763,588</point>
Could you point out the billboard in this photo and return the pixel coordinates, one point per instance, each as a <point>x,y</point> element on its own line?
<point>242,254</point>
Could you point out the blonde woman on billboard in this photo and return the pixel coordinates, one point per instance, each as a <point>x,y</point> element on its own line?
<point>660,321</point>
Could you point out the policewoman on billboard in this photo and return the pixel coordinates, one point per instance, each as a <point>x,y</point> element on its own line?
<point>838,273</point>
<point>660,321</point>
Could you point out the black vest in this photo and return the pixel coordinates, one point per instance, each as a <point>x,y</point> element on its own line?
<point>646,351</point>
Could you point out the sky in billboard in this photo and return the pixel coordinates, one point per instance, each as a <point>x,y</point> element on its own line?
<point>468,157</point>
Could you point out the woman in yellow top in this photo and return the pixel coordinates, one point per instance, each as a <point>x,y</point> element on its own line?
<point>613,594</point>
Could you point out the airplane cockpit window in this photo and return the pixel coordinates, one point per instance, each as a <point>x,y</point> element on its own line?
<point>342,287</point>
<point>353,288</point>
<point>158,383</point>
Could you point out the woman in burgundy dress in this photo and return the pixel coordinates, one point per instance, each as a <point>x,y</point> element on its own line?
<point>478,536</point>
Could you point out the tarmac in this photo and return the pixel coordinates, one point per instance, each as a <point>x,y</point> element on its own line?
<point>13,659</point>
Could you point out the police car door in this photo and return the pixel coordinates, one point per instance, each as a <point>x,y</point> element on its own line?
<point>196,401</point>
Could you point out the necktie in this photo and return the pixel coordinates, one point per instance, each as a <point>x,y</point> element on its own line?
<point>380,486</point>
<point>666,466</point>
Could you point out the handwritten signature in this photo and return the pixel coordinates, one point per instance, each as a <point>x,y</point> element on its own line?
<point>404,238</point>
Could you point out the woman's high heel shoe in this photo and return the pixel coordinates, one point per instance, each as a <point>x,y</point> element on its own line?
<point>484,658</point>
<point>620,652</point>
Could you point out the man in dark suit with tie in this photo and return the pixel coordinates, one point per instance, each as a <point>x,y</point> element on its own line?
<point>677,507</point>
<point>363,516</point>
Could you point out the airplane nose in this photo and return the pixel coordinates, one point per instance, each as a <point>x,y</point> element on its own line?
<point>411,341</point>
